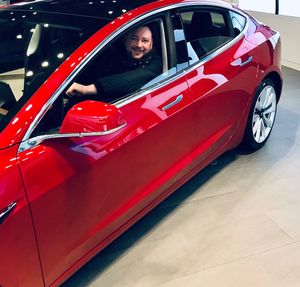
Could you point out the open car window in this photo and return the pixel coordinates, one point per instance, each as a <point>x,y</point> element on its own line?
<point>119,75</point>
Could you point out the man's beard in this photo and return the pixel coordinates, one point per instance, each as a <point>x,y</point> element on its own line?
<point>137,53</point>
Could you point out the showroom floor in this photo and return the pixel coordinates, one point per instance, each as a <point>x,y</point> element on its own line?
<point>237,223</point>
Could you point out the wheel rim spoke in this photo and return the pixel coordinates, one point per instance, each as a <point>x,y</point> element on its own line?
<point>256,129</point>
<point>270,98</point>
<point>270,110</point>
<point>267,97</point>
<point>263,131</point>
<point>268,123</point>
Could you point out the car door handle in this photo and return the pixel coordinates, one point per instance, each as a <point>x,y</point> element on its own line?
<point>178,100</point>
<point>6,212</point>
<point>247,61</point>
<point>239,62</point>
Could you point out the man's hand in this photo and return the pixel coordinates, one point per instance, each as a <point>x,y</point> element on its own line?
<point>81,90</point>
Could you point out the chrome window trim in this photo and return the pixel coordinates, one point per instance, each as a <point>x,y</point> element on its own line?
<point>101,45</point>
<point>32,142</point>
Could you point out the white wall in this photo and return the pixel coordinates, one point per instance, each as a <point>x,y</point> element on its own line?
<point>289,7</point>
<point>267,6</point>
<point>286,7</point>
<point>289,28</point>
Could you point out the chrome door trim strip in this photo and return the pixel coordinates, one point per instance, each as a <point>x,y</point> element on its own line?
<point>30,143</point>
<point>8,210</point>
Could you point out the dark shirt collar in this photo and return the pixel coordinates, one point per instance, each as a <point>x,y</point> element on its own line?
<point>135,63</point>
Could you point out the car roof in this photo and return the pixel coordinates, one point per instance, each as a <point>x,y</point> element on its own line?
<point>105,9</point>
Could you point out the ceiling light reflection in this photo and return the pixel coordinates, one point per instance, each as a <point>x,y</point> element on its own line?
<point>29,107</point>
<point>45,64</point>
<point>29,74</point>
<point>15,121</point>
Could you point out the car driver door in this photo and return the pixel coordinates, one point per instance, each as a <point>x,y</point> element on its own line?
<point>86,188</point>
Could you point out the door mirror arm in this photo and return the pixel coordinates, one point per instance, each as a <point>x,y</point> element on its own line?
<point>88,118</point>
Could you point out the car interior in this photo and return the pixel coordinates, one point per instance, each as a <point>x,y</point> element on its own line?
<point>205,31</point>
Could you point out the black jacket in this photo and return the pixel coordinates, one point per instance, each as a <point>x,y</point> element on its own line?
<point>129,77</point>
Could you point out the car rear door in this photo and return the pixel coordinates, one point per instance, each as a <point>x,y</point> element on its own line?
<point>222,76</point>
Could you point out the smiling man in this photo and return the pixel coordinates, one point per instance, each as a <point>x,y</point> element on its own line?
<point>139,42</point>
<point>140,66</point>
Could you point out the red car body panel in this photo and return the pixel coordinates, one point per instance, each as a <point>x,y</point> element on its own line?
<point>75,195</point>
<point>18,242</point>
<point>220,99</point>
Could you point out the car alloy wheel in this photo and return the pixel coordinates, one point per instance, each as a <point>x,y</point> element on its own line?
<point>262,116</point>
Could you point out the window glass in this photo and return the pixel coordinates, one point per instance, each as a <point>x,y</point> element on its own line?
<point>205,32</point>
<point>32,46</point>
<point>238,22</point>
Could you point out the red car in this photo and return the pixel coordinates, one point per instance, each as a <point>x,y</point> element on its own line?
<point>78,167</point>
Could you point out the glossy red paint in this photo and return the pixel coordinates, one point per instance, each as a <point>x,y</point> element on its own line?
<point>74,194</point>
<point>20,265</point>
<point>89,168</point>
<point>92,116</point>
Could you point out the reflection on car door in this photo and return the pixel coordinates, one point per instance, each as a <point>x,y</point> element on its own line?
<point>82,189</point>
<point>221,82</point>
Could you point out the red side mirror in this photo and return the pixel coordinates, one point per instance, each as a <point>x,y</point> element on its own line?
<point>90,117</point>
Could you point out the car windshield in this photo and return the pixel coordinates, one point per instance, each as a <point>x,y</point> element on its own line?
<point>32,46</point>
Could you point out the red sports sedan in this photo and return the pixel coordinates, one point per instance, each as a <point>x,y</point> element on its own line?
<point>107,107</point>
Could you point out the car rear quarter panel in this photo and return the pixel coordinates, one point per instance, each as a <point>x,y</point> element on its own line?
<point>268,44</point>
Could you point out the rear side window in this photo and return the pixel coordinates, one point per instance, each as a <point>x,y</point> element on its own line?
<point>205,32</point>
<point>238,22</point>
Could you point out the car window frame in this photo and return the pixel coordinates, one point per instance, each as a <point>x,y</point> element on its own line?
<point>163,21</point>
<point>28,142</point>
<point>225,12</point>
<point>219,50</point>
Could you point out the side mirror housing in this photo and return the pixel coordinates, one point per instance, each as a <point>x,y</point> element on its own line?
<point>91,117</point>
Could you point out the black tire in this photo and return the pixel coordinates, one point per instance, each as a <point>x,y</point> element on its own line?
<point>261,117</point>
